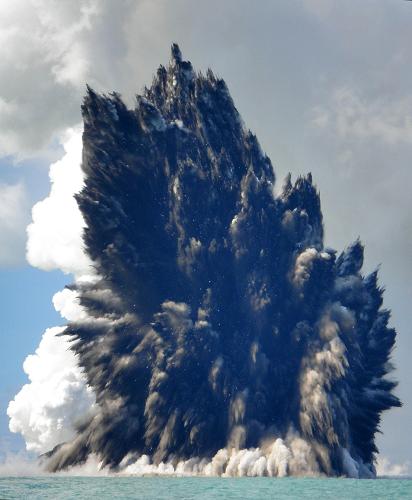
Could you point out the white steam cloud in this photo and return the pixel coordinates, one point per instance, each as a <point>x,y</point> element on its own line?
<point>55,235</point>
<point>46,409</point>
<point>385,468</point>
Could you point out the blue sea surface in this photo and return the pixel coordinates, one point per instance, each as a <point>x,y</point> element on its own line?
<point>169,488</point>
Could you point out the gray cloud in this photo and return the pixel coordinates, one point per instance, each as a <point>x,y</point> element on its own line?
<point>14,215</point>
<point>352,117</point>
<point>48,52</point>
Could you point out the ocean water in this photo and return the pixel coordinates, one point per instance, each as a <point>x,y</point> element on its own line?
<point>184,488</point>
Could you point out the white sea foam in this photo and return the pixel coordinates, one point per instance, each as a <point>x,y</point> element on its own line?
<point>275,458</point>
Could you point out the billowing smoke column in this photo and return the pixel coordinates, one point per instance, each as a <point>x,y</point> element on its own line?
<point>220,334</point>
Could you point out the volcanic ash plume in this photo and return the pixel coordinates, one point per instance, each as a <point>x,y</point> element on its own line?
<point>219,336</point>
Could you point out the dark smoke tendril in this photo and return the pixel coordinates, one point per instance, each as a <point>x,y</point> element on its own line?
<point>219,319</point>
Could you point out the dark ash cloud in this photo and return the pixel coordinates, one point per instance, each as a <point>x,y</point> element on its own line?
<point>219,320</point>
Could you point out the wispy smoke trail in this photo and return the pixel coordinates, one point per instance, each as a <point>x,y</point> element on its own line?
<point>219,333</point>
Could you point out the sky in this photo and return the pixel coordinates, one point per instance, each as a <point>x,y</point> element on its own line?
<point>324,84</point>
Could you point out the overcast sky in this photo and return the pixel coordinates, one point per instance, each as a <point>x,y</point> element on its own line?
<point>325,85</point>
